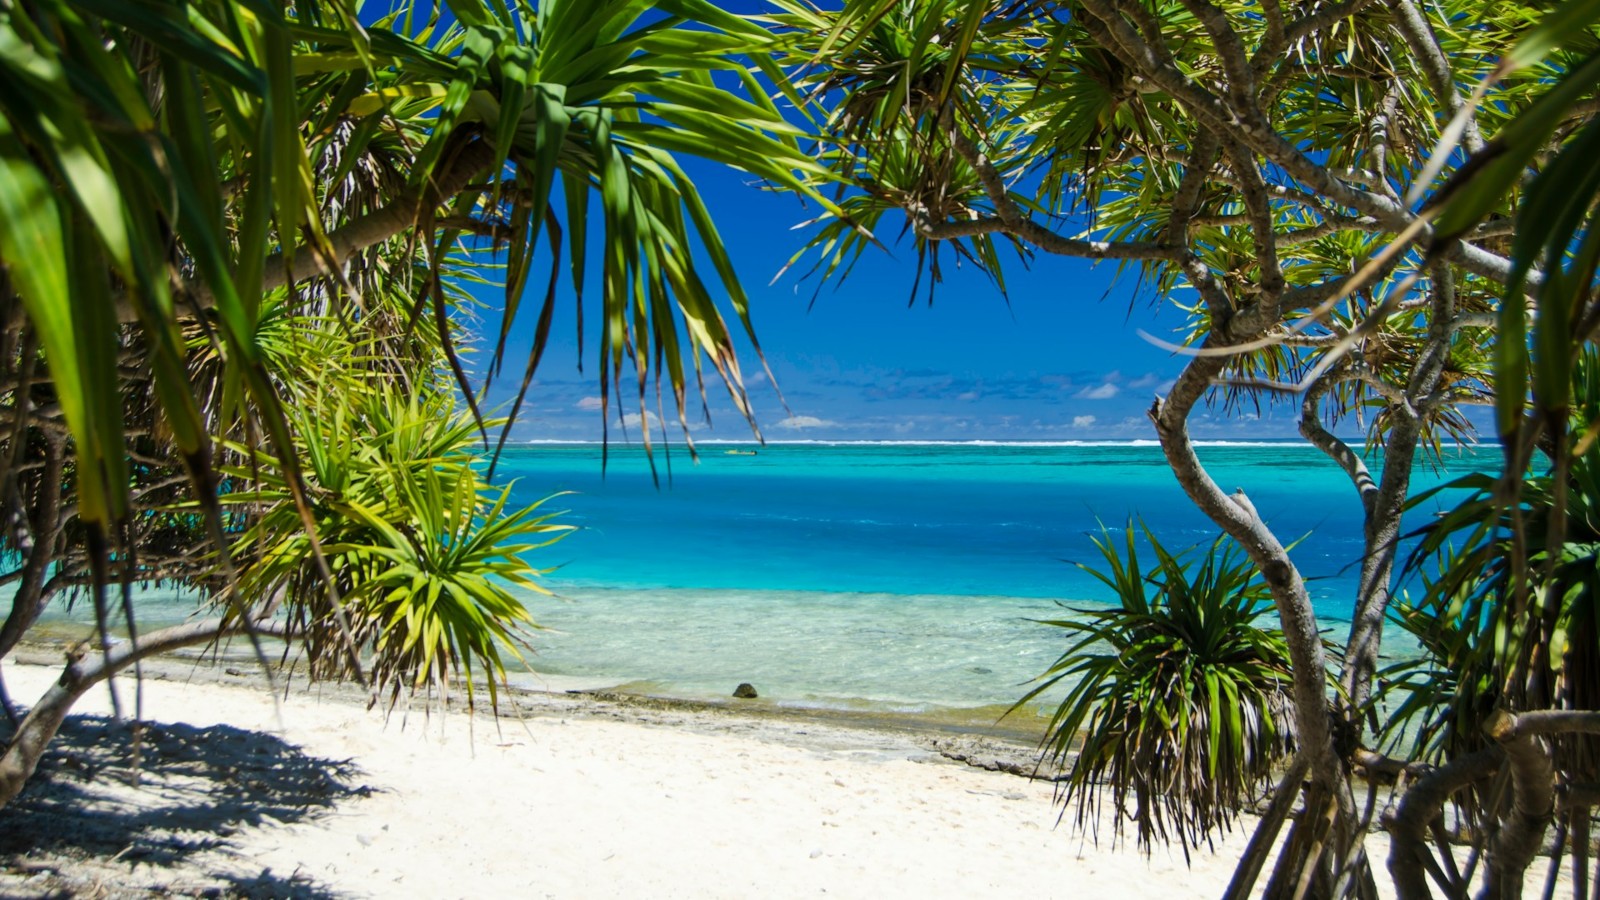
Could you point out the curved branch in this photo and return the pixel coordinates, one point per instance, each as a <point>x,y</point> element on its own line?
<point>1421,805</point>
<point>1265,837</point>
<point>1312,22</point>
<point>1046,240</point>
<point>1513,726</point>
<point>1329,225</point>
<point>1197,167</point>
<point>1474,320</point>
<point>1013,222</point>
<point>31,597</point>
<point>1230,50</point>
<point>84,671</point>
<point>1237,516</point>
<point>1335,449</point>
<point>1259,208</point>
<point>1533,801</point>
<point>1106,25</point>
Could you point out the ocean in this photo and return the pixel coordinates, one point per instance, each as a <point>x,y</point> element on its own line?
<point>885,577</point>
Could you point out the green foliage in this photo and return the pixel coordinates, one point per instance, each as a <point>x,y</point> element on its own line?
<point>1437,704</point>
<point>217,217</point>
<point>894,73</point>
<point>163,163</point>
<point>1177,694</point>
<point>421,547</point>
<point>1086,148</point>
<point>1511,618</point>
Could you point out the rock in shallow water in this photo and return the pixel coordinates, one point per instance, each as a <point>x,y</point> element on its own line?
<point>745,691</point>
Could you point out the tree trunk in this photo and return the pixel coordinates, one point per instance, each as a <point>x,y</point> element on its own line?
<point>1533,799</point>
<point>1265,837</point>
<point>39,549</point>
<point>1325,835</point>
<point>1382,545</point>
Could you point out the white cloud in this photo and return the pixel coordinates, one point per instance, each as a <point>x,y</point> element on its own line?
<point>632,420</point>
<point>968,396</point>
<point>1103,392</point>
<point>1147,380</point>
<point>589,403</point>
<point>1082,421</point>
<point>796,423</point>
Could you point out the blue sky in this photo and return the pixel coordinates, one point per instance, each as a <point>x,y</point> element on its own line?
<point>1063,361</point>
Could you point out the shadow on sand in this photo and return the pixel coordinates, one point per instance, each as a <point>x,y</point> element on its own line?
<point>80,826</point>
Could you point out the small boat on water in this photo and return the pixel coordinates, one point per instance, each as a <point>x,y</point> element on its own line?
<point>740,452</point>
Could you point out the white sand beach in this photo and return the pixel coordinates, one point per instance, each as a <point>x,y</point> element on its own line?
<point>569,803</point>
<point>577,799</point>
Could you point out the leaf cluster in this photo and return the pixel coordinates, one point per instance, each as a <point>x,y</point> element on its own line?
<point>424,552</point>
<point>1176,701</point>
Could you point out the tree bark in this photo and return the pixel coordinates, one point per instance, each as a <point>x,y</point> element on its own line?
<point>1265,837</point>
<point>1237,516</point>
<point>1381,531</point>
<point>1327,827</point>
<point>1533,797</point>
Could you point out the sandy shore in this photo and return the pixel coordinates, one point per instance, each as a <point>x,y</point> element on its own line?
<point>576,797</point>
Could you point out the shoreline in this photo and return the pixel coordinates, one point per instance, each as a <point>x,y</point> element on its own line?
<point>905,704</point>
<point>537,692</point>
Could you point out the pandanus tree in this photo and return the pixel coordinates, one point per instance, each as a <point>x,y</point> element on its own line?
<point>233,238</point>
<point>193,192</point>
<point>1321,188</point>
<point>1177,691</point>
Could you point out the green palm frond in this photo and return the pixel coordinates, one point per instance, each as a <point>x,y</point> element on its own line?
<point>423,549</point>
<point>1176,699</point>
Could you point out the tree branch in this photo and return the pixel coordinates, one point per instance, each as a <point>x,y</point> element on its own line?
<point>1337,450</point>
<point>1111,29</point>
<point>1419,36</point>
<point>380,225</point>
<point>84,671</point>
<point>1230,50</point>
<point>1012,221</point>
<point>1237,516</point>
<point>1533,798</point>
<point>1421,805</point>
<point>1262,236</point>
<point>1320,18</point>
<point>1201,160</point>
<point>30,598</point>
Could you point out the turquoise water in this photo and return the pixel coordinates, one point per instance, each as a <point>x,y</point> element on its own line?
<point>883,576</point>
